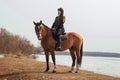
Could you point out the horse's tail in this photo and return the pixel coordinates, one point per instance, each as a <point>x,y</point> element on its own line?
<point>81,54</point>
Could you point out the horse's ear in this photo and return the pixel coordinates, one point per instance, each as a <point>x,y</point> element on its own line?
<point>34,23</point>
<point>41,21</point>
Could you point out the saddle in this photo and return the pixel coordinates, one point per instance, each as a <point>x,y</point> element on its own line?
<point>63,36</point>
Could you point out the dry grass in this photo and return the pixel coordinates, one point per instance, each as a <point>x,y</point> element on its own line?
<point>12,68</point>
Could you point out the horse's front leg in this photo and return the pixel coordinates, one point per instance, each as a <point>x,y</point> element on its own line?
<point>47,61</point>
<point>54,61</point>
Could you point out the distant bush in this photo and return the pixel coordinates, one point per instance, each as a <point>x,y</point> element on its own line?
<point>14,44</point>
<point>37,50</point>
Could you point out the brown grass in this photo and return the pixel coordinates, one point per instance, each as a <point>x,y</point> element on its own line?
<point>23,68</point>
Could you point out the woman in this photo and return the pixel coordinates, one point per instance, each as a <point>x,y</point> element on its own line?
<point>58,28</point>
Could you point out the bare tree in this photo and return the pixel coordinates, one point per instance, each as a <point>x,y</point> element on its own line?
<point>10,43</point>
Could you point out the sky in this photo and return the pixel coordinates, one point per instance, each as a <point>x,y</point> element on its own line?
<point>97,21</point>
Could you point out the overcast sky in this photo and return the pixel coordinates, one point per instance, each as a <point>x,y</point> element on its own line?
<point>98,21</point>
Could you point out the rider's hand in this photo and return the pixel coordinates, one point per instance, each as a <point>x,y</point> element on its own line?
<point>53,28</point>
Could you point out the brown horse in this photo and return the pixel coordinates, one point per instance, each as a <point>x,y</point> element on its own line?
<point>74,43</point>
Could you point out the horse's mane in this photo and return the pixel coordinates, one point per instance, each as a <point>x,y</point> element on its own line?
<point>45,26</point>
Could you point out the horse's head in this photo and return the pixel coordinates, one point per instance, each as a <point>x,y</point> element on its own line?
<point>40,30</point>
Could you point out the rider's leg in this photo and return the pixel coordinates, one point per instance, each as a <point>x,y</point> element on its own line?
<point>59,42</point>
<point>59,33</point>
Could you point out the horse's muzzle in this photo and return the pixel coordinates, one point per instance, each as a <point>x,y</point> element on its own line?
<point>39,38</point>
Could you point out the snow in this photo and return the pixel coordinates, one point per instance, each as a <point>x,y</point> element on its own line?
<point>1,56</point>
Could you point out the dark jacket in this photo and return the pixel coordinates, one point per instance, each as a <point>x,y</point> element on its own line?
<point>58,25</point>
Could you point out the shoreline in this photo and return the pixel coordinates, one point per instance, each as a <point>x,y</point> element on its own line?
<point>29,69</point>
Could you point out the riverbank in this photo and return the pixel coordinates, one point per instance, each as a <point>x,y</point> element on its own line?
<point>23,68</point>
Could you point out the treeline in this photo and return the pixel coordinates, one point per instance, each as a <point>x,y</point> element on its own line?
<point>14,44</point>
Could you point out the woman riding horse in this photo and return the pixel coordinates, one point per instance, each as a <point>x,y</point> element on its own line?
<point>74,43</point>
<point>58,28</point>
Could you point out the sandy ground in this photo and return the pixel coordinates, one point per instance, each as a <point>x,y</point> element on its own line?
<point>23,68</point>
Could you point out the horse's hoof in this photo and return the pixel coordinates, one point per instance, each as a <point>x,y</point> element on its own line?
<point>53,71</point>
<point>76,71</point>
<point>46,70</point>
<point>70,71</point>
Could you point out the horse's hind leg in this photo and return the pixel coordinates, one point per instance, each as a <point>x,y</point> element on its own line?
<point>72,52</point>
<point>78,60</point>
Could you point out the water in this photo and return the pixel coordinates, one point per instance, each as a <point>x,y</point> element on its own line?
<point>103,65</point>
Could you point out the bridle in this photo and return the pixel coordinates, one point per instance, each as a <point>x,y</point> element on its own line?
<point>39,32</point>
